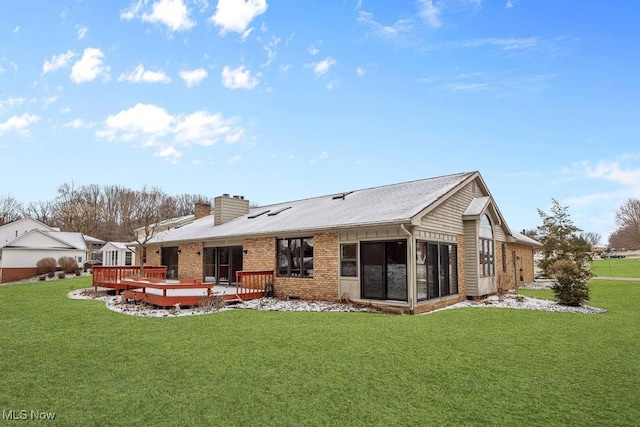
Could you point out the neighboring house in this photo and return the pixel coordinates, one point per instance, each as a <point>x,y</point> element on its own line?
<point>26,241</point>
<point>117,253</point>
<point>415,246</point>
<point>94,254</point>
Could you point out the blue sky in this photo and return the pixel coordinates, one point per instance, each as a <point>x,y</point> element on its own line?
<point>282,100</point>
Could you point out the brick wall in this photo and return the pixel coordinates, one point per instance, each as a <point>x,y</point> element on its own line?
<point>153,258</point>
<point>524,254</point>
<point>261,255</point>
<point>190,260</point>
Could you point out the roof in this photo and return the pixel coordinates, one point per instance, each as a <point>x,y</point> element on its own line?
<point>521,238</point>
<point>116,245</point>
<point>389,204</point>
<point>172,222</point>
<point>69,240</point>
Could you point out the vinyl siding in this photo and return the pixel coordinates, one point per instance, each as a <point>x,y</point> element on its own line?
<point>471,258</point>
<point>448,216</point>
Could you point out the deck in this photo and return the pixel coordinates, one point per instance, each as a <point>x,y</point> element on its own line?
<point>161,292</point>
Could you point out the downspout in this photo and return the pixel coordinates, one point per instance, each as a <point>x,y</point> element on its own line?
<point>411,270</point>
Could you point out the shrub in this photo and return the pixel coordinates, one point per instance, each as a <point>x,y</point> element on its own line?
<point>68,264</point>
<point>571,286</point>
<point>51,274</point>
<point>62,275</point>
<point>46,265</point>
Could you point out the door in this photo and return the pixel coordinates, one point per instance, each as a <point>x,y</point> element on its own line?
<point>384,270</point>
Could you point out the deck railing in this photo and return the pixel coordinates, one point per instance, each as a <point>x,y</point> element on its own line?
<point>112,276</point>
<point>248,282</point>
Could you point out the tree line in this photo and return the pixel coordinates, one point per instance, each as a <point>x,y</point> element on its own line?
<point>108,212</point>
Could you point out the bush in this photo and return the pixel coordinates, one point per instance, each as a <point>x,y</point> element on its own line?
<point>68,264</point>
<point>62,275</point>
<point>571,282</point>
<point>46,265</point>
<point>51,274</point>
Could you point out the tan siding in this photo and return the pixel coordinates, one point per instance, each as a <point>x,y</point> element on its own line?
<point>448,216</point>
<point>471,258</point>
<point>226,208</point>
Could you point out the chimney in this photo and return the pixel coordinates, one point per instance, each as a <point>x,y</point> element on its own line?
<point>202,209</point>
<point>226,208</point>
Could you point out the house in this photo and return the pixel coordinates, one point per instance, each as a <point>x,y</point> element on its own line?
<point>26,241</point>
<point>415,246</point>
<point>117,253</point>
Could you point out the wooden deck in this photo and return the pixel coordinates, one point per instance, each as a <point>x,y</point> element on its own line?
<point>161,292</point>
<point>111,277</point>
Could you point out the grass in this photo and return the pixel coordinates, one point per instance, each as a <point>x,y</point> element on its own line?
<point>470,366</point>
<point>616,267</point>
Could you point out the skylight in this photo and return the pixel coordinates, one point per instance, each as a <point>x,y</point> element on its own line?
<point>341,196</point>
<point>278,211</point>
<point>258,214</point>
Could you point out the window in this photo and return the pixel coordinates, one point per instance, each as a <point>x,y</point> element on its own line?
<point>383,267</point>
<point>436,269</point>
<point>127,258</point>
<point>486,250</point>
<point>349,259</point>
<point>295,257</point>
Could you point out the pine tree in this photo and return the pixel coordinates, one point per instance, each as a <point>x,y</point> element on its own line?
<point>565,255</point>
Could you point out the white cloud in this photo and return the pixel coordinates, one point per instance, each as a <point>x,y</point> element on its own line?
<point>50,100</point>
<point>57,62</point>
<point>238,78</point>
<point>16,30</point>
<point>82,31</point>
<point>236,15</point>
<point>172,13</point>
<point>505,44</point>
<point>323,155</point>
<point>152,126</point>
<point>143,121</point>
<point>140,75</point>
<point>322,67</point>
<point>202,128</point>
<point>77,124</point>
<point>193,77</point>
<point>313,50</point>
<point>168,151</point>
<point>360,71</point>
<point>401,26</point>
<point>19,124</point>
<point>611,171</point>
<point>234,159</point>
<point>510,4</point>
<point>12,101</point>
<point>89,67</point>
<point>430,13</point>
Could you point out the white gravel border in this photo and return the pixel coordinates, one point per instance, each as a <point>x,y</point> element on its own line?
<point>520,302</point>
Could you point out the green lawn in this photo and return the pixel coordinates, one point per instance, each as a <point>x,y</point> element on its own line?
<point>616,267</point>
<point>471,366</point>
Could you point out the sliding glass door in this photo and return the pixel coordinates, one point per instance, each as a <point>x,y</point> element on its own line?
<point>384,270</point>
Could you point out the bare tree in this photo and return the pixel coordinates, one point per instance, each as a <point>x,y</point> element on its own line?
<point>142,211</point>
<point>10,209</point>
<point>591,238</point>
<point>628,219</point>
<point>623,239</point>
<point>43,211</point>
<point>185,203</point>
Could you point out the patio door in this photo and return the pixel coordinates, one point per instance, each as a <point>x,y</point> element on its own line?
<point>221,264</point>
<point>170,259</point>
<point>384,270</point>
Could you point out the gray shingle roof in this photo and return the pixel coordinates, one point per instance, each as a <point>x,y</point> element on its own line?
<point>396,203</point>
